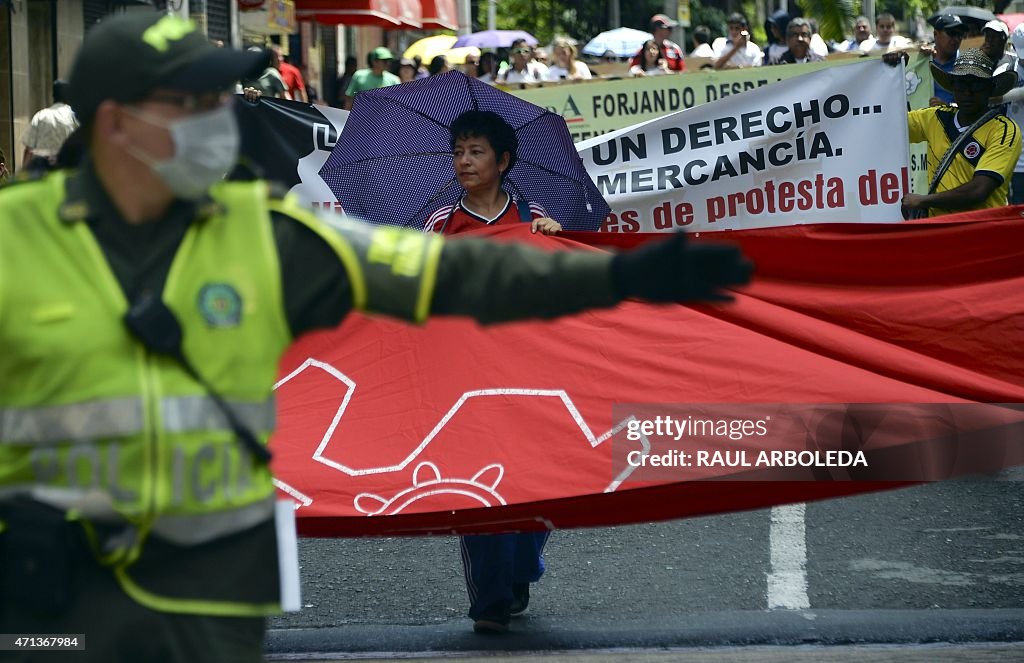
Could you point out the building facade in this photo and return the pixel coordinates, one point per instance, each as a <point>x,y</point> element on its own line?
<point>39,39</point>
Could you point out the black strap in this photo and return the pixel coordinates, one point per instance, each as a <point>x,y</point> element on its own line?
<point>155,326</point>
<point>522,204</point>
<point>947,159</point>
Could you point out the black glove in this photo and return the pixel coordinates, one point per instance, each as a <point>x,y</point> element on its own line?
<point>677,271</point>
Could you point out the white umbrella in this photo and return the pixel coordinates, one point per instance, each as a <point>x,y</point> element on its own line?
<point>623,42</point>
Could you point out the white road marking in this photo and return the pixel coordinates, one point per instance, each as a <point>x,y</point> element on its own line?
<point>787,580</point>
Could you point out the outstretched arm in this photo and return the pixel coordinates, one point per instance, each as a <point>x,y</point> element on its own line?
<point>412,275</point>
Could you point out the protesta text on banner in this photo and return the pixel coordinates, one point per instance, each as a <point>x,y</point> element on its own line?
<point>793,152</point>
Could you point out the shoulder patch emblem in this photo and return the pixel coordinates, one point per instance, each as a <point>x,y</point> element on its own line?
<point>220,305</point>
<point>972,150</point>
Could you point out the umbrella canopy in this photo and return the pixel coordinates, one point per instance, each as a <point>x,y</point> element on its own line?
<point>495,39</point>
<point>967,14</point>
<point>623,42</point>
<point>428,47</point>
<point>393,161</point>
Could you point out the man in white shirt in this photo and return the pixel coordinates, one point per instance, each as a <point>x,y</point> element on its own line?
<point>861,36</point>
<point>737,50</point>
<point>523,68</point>
<point>996,35</point>
<point>886,39</point>
<point>798,38</point>
<point>702,43</point>
<point>50,127</point>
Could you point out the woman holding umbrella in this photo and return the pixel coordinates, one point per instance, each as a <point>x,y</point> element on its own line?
<point>498,567</point>
<point>483,152</point>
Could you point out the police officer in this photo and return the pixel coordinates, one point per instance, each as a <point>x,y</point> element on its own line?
<point>144,304</point>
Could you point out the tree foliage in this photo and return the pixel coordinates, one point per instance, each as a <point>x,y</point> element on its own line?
<point>905,10</point>
<point>582,19</point>
<point>835,17</point>
<point>579,19</point>
<point>712,17</point>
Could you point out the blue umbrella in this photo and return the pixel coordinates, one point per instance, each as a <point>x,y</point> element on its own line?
<point>623,42</point>
<point>494,39</point>
<point>392,163</point>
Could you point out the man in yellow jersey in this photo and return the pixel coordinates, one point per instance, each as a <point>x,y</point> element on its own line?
<point>980,167</point>
<point>144,305</point>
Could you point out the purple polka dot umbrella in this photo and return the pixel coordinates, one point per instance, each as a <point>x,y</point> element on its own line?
<point>393,162</point>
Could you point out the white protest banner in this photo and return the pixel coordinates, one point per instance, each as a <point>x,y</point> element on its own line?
<point>828,146</point>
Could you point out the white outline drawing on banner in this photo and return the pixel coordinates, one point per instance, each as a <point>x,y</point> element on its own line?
<point>318,455</point>
<point>301,499</point>
<point>482,491</point>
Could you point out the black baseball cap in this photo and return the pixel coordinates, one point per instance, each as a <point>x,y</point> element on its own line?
<point>947,23</point>
<point>126,57</point>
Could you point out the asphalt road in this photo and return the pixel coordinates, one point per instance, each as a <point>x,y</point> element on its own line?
<point>941,563</point>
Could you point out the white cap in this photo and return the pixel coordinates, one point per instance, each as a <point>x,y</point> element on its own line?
<point>998,26</point>
<point>1018,40</point>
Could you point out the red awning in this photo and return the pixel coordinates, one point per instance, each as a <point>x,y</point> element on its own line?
<point>440,14</point>
<point>410,13</point>
<point>380,13</point>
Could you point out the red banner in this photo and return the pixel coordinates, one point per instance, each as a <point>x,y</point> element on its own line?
<point>386,428</point>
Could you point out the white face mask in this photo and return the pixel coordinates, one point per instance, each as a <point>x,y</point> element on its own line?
<point>205,148</point>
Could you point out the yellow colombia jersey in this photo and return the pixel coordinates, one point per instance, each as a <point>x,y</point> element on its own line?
<point>991,151</point>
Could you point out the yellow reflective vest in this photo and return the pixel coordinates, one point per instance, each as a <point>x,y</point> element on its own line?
<point>93,423</point>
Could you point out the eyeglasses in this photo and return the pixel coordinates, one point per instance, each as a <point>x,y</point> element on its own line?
<point>523,50</point>
<point>472,62</point>
<point>804,36</point>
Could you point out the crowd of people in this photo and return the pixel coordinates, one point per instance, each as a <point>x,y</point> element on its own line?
<point>789,39</point>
